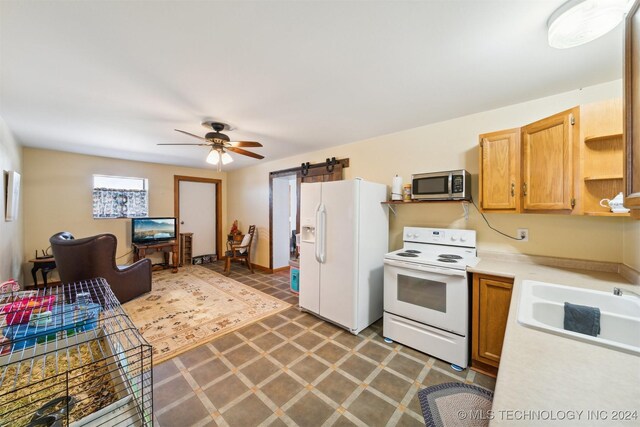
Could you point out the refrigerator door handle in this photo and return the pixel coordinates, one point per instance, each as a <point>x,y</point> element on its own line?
<point>317,237</point>
<point>322,234</point>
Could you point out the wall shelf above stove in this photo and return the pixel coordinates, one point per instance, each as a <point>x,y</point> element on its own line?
<point>391,203</point>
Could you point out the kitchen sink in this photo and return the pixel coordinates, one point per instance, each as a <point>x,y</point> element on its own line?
<point>541,306</point>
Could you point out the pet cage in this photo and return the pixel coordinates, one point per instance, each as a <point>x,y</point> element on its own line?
<point>70,356</point>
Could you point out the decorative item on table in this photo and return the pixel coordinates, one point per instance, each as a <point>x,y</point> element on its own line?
<point>406,193</point>
<point>396,188</point>
<point>234,228</point>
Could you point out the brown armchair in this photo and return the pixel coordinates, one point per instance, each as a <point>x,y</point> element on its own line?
<point>90,257</point>
<point>240,251</point>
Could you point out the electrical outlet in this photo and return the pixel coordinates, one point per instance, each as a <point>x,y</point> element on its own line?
<point>523,234</point>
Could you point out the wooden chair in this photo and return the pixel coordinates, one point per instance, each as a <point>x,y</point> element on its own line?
<point>240,251</point>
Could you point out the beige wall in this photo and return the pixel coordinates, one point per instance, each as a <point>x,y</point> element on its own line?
<point>11,242</point>
<point>447,145</point>
<point>57,196</point>
<point>631,244</point>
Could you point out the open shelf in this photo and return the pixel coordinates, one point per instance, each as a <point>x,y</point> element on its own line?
<point>602,138</point>
<point>602,158</point>
<point>392,203</point>
<point>602,178</point>
<point>402,202</point>
<point>606,214</point>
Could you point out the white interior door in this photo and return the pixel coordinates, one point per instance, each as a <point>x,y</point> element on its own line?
<point>281,233</point>
<point>198,215</point>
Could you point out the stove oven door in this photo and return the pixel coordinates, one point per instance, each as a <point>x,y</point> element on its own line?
<point>431,295</point>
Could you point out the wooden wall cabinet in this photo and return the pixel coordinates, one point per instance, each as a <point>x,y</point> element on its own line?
<point>186,249</point>
<point>548,167</point>
<point>490,310</point>
<point>499,183</point>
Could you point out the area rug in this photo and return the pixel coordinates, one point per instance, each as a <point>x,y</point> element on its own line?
<point>193,306</point>
<point>455,405</point>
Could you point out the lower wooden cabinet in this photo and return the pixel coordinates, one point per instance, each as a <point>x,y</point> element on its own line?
<point>491,300</point>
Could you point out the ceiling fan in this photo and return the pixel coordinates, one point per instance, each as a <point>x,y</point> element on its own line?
<point>220,144</point>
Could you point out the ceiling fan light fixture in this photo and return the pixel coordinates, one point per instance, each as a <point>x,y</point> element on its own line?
<point>213,157</point>
<point>580,21</point>
<point>226,158</point>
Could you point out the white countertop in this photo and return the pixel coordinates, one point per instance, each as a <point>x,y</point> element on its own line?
<point>545,379</point>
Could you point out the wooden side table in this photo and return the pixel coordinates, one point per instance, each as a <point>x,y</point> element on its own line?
<point>45,265</point>
<point>141,251</point>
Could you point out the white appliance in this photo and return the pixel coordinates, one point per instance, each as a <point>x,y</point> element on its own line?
<point>344,237</point>
<point>426,292</point>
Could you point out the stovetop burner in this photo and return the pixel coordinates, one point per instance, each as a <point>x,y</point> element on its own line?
<point>412,251</point>
<point>448,260</point>
<point>449,256</point>
<point>407,254</point>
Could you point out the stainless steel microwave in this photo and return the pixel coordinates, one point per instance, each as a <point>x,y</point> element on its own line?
<point>447,185</point>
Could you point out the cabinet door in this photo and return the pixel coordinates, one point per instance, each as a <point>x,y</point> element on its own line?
<point>500,171</point>
<point>632,111</point>
<point>491,301</point>
<point>548,162</point>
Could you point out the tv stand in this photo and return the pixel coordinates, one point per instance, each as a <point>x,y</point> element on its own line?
<point>141,250</point>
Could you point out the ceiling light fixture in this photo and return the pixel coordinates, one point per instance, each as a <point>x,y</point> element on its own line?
<point>226,158</point>
<point>219,157</point>
<point>213,157</point>
<point>580,21</point>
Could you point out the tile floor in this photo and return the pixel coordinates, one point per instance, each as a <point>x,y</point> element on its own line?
<point>295,369</point>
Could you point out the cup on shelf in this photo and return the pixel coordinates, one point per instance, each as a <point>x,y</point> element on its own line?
<point>615,204</point>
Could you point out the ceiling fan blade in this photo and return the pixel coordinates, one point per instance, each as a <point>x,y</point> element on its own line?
<point>186,144</point>
<point>245,152</point>
<point>190,134</point>
<point>245,144</point>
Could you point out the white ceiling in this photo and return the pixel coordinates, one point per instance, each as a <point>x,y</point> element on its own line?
<point>114,78</point>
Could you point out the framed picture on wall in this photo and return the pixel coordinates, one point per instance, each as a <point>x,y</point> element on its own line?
<point>12,195</point>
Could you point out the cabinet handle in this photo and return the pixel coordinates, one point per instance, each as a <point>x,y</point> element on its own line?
<point>513,189</point>
<point>524,189</point>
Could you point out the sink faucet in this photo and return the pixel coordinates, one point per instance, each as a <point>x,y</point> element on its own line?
<point>619,292</point>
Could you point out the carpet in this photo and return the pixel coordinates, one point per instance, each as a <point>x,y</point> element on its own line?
<point>455,404</point>
<point>194,306</point>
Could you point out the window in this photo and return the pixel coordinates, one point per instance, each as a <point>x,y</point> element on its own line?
<point>120,197</point>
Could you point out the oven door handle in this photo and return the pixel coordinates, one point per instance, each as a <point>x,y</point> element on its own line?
<point>425,268</point>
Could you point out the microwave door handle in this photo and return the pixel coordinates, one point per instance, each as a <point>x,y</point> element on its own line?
<point>425,268</point>
<point>450,185</point>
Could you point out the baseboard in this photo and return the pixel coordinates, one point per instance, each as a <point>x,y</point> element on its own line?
<point>630,274</point>
<point>277,270</point>
<point>261,268</point>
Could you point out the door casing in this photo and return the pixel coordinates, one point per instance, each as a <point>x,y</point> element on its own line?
<point>218,190</point>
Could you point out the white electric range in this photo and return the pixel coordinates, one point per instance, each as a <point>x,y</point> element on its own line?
<point>426,292</point>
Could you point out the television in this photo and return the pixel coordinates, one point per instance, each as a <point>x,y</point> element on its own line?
<point>152,230</point>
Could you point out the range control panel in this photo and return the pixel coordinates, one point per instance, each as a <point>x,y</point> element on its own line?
<point>442,236</point>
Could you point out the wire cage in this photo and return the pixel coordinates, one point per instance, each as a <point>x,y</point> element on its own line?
<point>70,356</point>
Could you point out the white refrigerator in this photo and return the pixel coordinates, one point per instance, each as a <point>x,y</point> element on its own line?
<point>343,239</point>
